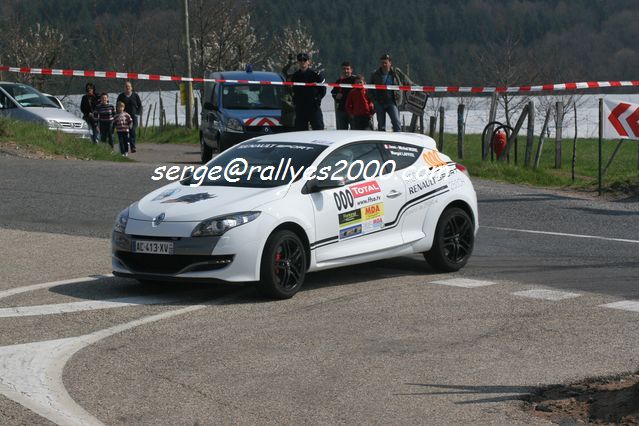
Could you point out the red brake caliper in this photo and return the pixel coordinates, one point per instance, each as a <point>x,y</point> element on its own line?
<point>278,257</point>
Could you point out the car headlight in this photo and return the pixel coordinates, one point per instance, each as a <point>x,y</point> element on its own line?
<point>53,124</point>
<point>121,221</point>
<point>216,226</point>
<point>84,125</point>
<point>234,125</point>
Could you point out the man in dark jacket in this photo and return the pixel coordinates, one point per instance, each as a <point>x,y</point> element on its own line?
<point>132,106</point>
<point>342,120</point>
<point>87,106</point>
<point>387,101</point>
<point>308,100</point>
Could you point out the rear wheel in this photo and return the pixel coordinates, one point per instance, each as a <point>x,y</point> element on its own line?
<point>283,266</point>
<point>453,241</point>
<point>206,152</point>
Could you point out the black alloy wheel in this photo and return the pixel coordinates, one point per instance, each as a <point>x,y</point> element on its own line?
<point>283,265</point>
<point>453,241</point>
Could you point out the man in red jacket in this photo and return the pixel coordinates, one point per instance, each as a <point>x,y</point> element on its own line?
<point>359,107</point>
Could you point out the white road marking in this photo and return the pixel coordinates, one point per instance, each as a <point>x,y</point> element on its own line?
<point>31,373</point>
<point>18,290</point>
<point>463,282</point>
<point>539,293</point>
<point>625,305</point>
<point>562,234</point>
<point>89,305</point>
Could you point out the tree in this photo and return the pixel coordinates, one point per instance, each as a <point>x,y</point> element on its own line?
<point>294,40</point>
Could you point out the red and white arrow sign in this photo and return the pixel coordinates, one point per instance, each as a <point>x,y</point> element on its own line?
<point>621,120</point>
<point>262,121</point>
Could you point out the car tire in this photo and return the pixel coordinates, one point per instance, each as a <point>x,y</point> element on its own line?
<point>206,152</point>
<point>223,146</point>
<point>453,241</point>
<point>283,266</point>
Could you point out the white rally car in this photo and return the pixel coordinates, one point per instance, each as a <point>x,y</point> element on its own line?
<point>364,196</point>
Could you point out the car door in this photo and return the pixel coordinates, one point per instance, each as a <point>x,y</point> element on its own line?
<point>356,216</point>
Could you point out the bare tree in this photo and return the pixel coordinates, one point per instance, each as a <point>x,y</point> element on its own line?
<point>294,40</point>
<point>39,46</point>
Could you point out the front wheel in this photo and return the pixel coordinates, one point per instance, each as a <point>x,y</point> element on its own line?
<point>283,266</point>
<point>453,241</point>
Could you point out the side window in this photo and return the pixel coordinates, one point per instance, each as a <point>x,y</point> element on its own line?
<point>216,95</point>
<point>404,155</point>
<point>5,101</point>
<point>349,164</point>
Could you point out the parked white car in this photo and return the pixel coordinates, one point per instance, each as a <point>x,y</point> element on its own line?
<point>238,227</point>
<point>22,102</point>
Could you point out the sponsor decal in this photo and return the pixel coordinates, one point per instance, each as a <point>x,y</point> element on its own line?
<point>349,218</point>
<point>372,225</point>
<point>343,199</point>
<point>373,211</point>
<point>365,188</point>
<point>433,159</point>
<point>191,198</point>
<point>369,200</point>
<point>350,232</point>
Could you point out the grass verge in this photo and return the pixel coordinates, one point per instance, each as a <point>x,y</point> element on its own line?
<point>170,134</point>
<point>36,139</point>
<point>621,177</point>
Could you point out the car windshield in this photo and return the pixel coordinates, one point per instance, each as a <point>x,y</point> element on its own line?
<point>253,96</point>
<point>273,164</point>
<point>27,96</point>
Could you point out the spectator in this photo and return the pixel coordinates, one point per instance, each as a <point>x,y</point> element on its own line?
<point>103,114</point>
<point>133,107</point>
<point>359,107</point>
<point>286,96</point>
<point>342,120</point>
<point>387,101</point>
<point>122,122</point>
<point>87,105</point>
<point>307,100</point>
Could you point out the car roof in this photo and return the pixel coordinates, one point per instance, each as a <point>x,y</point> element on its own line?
<point>342,137</point>
<point>243,75</point>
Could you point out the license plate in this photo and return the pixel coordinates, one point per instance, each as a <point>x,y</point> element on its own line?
<point>155,247</point>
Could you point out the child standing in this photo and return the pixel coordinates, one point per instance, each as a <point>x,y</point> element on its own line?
<point>359,107</point>
<point>123,121</point>
<point>103,114</point>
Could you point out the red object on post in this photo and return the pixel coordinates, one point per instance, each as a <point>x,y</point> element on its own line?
<point>499,142</point>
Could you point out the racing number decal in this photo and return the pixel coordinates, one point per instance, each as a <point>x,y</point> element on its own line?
<point>343,200</point>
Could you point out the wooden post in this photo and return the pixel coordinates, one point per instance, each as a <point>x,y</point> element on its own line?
<point>176,109</point>
<point>513,135</point>
<point>441,129</point>
<point>155,107</point>
<point>148,114</point>
<point>542,138</point>
<point>573,163</point>
<point>491,118</point>
<point>530,134</point>
<point>559,122</point>
<point>196,122</point>
<point>421,124</point>
<point>162,123</point>
<point>431,126</point>
<point>601,121</point>
<point>460,131</point>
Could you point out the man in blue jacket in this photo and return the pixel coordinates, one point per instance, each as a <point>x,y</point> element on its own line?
<point>307,100</point>
<point>387,101</point>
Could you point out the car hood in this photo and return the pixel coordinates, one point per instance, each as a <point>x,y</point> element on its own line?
<point>181,203</point>
<point>50,113</point>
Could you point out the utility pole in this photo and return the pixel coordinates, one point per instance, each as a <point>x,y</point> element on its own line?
<point>189,84</point>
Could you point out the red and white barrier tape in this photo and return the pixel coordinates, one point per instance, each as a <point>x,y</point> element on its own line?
<point>556,87</point>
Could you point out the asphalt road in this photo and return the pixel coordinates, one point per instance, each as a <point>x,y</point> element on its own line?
<point>389,342</point>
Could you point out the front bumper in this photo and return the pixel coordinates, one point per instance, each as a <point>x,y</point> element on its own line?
<point>81,133</point>
<point>232,257</point>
